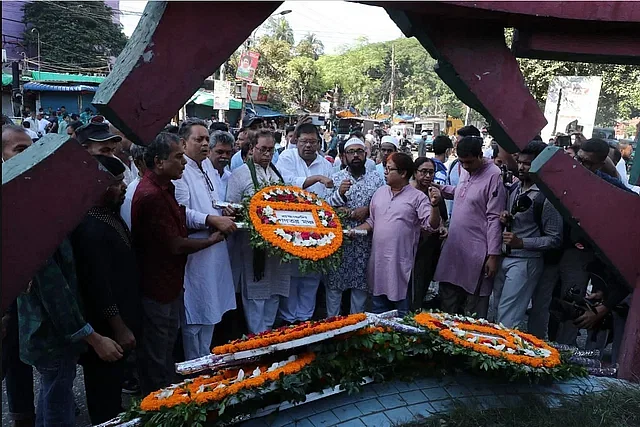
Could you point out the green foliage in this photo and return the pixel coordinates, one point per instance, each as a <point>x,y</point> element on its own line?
<point>73,33</point>
<point>614,407</point>
<point>310,46</point>
<point>279,29</point>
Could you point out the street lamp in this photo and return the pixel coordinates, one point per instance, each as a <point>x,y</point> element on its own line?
<point>283,12</point>
<point>39,64</point>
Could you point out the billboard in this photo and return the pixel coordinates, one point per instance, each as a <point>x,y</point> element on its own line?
<point>221,94</point>
<point>247,66</point>
<point>571,99</point>
<point>254,93</point>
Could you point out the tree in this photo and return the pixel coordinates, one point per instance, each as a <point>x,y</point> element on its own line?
<point>302,83</point>
<point>310,46</point>
<point>74,35</point>
<point>279,29</point>
<point>619,95</point>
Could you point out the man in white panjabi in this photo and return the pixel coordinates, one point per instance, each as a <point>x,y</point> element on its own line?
<point>208,282</point>
<point>304,168</point>
<point>264,278</point>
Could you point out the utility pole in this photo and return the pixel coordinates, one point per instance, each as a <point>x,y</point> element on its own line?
<point>393,77</point>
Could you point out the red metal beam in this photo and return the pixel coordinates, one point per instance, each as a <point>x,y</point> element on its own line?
<point>477,65</point>
<point>565,15</point>
<point>585,201</point>
<point>45,193</point>
<point>607,47</point>
<point>174,49</point>
<point>588,205</point>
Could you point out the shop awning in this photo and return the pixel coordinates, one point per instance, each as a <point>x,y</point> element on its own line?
<point>262,111</point>
<point>206,98</point>
<point>41,87</point>
<point>45,76</point>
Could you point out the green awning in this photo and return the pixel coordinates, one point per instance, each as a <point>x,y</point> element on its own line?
<point>7,79</point>
<point>206,98</point>
<point>63,77</point>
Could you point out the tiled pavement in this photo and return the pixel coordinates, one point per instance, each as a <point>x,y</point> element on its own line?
<point>395,403</point>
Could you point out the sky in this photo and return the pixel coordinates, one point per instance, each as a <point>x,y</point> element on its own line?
<point>336,23</point>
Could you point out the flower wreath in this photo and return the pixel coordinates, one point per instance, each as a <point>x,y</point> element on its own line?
<point>309,245</point>
<point>206,388</point>
<point>288,333</point>
<point>491,339</point>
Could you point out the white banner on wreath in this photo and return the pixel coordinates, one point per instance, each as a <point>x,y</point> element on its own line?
<point>301,219</point>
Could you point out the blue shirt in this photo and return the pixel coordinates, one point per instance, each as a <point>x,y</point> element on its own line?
<point>613,181</point>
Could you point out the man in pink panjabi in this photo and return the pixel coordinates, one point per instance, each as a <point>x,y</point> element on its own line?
<point>469,259</point>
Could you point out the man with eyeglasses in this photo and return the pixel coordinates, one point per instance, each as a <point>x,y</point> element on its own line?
<point>265,279</point>
<point>306,169</point>
<point>388,146</point>
<point>208,282</point>
<point>356,189</point>
<point>470,255</point>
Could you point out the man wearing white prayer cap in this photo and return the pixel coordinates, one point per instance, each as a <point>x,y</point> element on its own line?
<point>388,145</point>
<point>353,191</point>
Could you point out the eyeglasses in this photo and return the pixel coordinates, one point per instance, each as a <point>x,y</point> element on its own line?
<point>359,152</point>
<point>263,150</point>
<point>389,170</point>
<point>584,162</point>
<point>426,171</point>
<point>307,142</point>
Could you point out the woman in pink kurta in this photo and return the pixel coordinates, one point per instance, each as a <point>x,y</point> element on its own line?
<point>398,213</point>
<point>469,258</point>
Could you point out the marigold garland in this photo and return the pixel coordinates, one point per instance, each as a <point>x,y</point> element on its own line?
<point>296,199</point>
<point>206,389</point>
<point>289,333</point>
<point>513,339</point>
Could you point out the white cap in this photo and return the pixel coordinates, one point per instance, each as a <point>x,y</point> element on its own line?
<point>353,141</point>
<point>368,137</point>
<point>391,140</point>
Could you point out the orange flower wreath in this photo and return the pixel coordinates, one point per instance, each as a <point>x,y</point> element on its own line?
<point>205,389</point>
<point>289,333</point>
<point>312,243</point>
<point>513,343</point>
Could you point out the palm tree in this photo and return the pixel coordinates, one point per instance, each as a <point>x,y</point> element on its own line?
<point>280,29</point>
<point>316,44</point>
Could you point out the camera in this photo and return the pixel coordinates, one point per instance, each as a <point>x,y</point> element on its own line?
<point>571,305</point>
<point>507,175</point>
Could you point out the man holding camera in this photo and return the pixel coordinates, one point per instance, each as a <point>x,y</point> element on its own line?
<point>534,227</point>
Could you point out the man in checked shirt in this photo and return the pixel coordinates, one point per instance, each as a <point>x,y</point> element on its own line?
<point>534,232</point>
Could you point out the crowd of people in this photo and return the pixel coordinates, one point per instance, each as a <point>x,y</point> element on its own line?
<point>158,270</point>
<point>37,124</point>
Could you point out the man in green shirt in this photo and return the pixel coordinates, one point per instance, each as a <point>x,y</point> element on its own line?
<point>53,334</point>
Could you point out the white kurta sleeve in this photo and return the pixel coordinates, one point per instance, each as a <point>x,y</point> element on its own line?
<point>195,220</point>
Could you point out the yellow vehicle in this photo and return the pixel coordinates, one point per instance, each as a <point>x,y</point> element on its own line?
<point>453,125</point>
<point>436,125</point>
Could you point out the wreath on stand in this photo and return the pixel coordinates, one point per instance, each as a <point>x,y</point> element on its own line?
<point>295,225</point>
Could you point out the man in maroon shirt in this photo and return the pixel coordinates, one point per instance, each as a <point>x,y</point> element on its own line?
<point>159,231</point>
